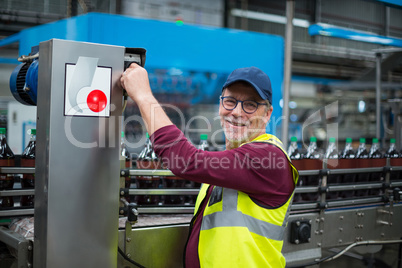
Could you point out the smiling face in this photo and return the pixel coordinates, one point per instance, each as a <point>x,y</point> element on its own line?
<point>238,126</point>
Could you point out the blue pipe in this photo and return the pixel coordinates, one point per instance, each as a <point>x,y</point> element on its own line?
<point>339,32</point>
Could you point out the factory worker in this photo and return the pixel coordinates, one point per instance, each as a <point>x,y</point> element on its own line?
<point>241,210</point>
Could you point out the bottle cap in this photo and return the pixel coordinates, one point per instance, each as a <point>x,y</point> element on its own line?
<point>147,135</point>
<point>375,140</point>
<point>362,140</point>
<point>332,139</point>
<point>313,139</point>
<point>204,137</point>
<point>349,140</point>
<point>32,131</point>
<point>294,139</point>
<point>2,130</point>
<point>392,141</point>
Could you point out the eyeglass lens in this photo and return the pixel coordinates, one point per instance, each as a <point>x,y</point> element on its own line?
<point>248,106</point>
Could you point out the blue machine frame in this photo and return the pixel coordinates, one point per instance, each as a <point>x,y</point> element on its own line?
<point>186,47</point>
<point>339,32</point>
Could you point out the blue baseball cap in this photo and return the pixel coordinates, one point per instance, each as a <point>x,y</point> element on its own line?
<point>255,77</point>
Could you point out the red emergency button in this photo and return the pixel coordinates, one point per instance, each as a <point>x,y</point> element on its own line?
<point>96,100</point>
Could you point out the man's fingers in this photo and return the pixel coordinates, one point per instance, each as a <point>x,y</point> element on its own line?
<point>122,80</point>
<point>133,65</point>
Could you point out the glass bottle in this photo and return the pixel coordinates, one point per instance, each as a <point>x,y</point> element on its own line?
<point>7,159</point>
<point>28,160</point>
<point>147,159</point>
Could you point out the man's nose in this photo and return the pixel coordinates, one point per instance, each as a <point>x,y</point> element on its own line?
<point>238,110</point>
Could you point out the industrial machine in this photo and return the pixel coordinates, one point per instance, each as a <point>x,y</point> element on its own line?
<point>326,214</point>
<point>83,216</point>
<point>79,107</point>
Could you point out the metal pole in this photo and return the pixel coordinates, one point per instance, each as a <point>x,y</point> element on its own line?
<point>387,20</point>
<point>244,19</point>
<point>290,8</point>
<point>378,95</point>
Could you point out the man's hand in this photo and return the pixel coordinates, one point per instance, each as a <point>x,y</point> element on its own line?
<point>135,81</point>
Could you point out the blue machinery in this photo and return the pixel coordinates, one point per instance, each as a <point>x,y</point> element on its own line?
<point>314,225</point>
<point>24,79</point>
<point>195,51</point>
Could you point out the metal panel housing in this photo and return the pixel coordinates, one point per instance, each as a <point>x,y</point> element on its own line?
<point>77,167</point>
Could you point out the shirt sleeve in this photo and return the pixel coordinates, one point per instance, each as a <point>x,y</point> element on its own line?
<point>259,169</point>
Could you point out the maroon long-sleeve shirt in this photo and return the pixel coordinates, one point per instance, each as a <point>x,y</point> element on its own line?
<point>258,169</point>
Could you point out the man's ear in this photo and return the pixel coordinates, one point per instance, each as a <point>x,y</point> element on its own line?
<point>268,114</point>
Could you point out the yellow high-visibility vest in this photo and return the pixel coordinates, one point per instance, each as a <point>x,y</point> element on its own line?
<point>236,231</point>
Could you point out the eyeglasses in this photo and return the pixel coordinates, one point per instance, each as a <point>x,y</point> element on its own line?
<point>248,106</point>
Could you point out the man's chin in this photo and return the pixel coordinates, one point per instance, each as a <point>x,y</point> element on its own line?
<point>235,138</point>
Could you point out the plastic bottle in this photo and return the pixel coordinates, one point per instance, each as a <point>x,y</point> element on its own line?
<point>174,182</point>
<point>392,152</point>
<point>376,157</point>
<point>347,161</point>
<point>6,160</point>
<point>362,152</point>
<point>124,151</point>
<point>28,160</point>
<point>203,145</point>
<point>203,142</point>
<point>332,150</point>
<point>377,160</point>
<point>312,152</point>
<point>375,151</point>
<point>332,159</point>
<point>147,159</point>
<point>293,150</point>
<point>127,163</point>
<point>295,155</point>
<point>348,152</point>
<point>362,161</point>
<point>395,159</point>
<point>312,161</point>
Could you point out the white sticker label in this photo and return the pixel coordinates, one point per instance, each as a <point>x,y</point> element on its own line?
<point>87,88</point>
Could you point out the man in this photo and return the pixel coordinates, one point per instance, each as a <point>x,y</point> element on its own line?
<point>241,210</point>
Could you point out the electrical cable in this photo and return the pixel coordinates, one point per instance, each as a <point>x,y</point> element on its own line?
<point>29,58</point>
<point>125,96</point>
<point>128,259</point>
<point>124,105</point>
<point>336,255</point>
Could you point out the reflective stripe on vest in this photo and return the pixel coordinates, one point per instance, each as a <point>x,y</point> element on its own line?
<point>231,217</point>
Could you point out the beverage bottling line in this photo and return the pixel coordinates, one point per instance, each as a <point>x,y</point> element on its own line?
<point>84,214</point>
